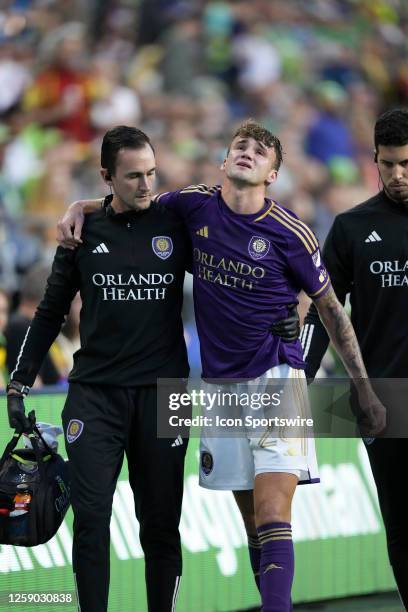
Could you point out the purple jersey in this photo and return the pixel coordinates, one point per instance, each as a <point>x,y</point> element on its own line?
<point>247,269</point>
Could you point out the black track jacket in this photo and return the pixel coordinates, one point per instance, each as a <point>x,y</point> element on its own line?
<point>130,273</point>
<point>366,254</point>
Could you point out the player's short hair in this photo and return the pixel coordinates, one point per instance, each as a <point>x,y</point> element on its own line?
<point>391,128</point>
<point>121,137</point>
<point>251,129</point>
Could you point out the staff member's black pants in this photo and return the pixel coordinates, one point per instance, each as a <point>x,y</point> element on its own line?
<point>118,420</point>
<point>388,458</point>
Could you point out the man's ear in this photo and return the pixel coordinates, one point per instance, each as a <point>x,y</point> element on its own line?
<point>271,178</point>
<point>106,176</point>
<point>222,167</point>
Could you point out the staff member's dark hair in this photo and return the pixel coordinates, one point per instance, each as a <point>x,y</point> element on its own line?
<point>391,129</point>
<point>121,137</point>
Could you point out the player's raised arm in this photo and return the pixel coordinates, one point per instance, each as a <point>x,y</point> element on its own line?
<point>70,227</point>
<point>341,333</point>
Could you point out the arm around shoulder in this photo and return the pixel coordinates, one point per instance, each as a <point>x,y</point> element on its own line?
<point>69,228</point>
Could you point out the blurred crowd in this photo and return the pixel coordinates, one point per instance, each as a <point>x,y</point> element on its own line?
<point>317,73</point>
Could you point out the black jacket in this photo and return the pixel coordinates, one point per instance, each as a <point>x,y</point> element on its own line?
<point>14,333</point>
<point>130,272</point>
<point>366,254</point>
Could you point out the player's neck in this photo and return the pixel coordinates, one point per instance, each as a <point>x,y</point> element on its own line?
<point>245,200</point>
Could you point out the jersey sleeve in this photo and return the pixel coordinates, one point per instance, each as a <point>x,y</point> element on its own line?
<point>172,200</point>
<point>306,264</point>
<point>187,200</point>
<point>62,285</point>
<point>338,259</point>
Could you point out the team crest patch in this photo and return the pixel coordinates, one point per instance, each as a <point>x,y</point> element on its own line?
<point>74,430</point>
<point>258,247</point>
<point>162,246</point>
<point>207,462</point>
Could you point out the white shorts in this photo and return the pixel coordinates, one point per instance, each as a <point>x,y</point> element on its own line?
<point>231,463</point>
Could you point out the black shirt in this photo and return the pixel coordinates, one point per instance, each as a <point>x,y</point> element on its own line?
<point>366,254</point>
<point>130,273</point>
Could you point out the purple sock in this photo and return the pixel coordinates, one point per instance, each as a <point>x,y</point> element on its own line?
<point>277,566</point>
<point>254,547</point>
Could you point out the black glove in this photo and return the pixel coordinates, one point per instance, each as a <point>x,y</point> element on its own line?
<point>288,329</point>
<point>16,412</point>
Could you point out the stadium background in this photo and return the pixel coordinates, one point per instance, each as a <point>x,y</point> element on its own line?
<point>317,73</point>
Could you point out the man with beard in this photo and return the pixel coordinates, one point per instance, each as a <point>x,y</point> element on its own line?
<point>366,254</point>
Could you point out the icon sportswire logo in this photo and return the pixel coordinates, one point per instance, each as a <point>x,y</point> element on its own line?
<point>101,248</point>
<point>373,237</point>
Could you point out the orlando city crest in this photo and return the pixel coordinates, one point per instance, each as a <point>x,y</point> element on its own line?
<point>207,462</point>
<point>258,247</point>
<point>162,246</point>
<point>74,430</point>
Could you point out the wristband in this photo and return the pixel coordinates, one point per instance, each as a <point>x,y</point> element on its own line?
<point>17,386</point>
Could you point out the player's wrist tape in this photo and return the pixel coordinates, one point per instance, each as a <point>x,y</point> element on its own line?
<point>17,386</point>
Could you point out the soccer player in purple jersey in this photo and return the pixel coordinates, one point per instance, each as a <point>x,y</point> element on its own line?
<point>251,259</point>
